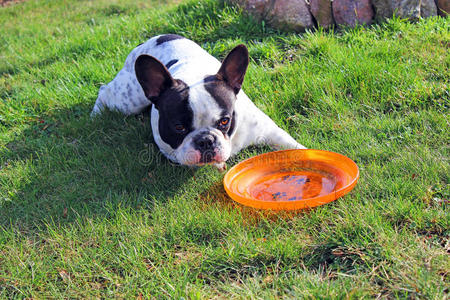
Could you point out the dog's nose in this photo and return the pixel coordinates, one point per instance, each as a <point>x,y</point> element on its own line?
<point>205,142</point>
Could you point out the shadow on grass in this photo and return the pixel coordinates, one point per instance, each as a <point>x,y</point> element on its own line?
<point>324,259</point>
<point>217,195</point>
<point>65,165</point>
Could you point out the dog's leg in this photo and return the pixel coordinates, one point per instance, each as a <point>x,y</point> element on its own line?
<point>280,140</point>
<point>268,134</point>
<point>99,103</point>
<point>258,129</point>
<point>222,167</point>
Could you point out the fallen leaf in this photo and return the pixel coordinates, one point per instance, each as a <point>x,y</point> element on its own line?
<point>64,275</point>
<point>268,279</point>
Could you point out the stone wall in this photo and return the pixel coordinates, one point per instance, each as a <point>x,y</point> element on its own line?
<point>299,15</point>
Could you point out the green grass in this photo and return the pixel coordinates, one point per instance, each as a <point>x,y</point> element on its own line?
<point>91,209</point>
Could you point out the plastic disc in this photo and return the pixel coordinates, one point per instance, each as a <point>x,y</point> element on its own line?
<point>291,179</point>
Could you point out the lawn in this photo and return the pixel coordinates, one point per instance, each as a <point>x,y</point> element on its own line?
<point>89,208</point>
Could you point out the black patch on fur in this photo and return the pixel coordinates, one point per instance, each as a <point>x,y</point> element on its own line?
<point>234,67</point>
<point>221,92</point>
<point>167,38</point>
<point>225,98</point>
<point>153,76</point>
<point>173,108</point>
<point>232,124</point>
<point>171,63</point>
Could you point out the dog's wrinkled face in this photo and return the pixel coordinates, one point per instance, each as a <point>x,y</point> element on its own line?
<point>192,125</point>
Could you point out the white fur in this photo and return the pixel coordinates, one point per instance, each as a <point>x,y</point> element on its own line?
<point>125,94</point>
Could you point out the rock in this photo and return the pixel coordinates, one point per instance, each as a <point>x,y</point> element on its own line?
<point>414,9</point>
<point>282,14</point>
<point>321,10</point>
<point>290,14</point>
<point>443,7</point>
<point>383,9</point>
<point>257,8</point>
<point>428,8</point>
<point>296,15</point>
<point>352,12</point>
<point>406,9</point>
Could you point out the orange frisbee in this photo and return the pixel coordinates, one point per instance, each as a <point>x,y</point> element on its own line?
<point>291,179</point>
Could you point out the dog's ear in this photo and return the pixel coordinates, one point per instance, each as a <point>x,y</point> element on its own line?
<point>153,76</point>
<point>234,67</point>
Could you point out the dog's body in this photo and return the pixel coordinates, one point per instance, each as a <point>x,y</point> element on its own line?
<point>199,114</point>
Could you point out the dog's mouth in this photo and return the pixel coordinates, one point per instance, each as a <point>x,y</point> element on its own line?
<point>197,158</point>
<point>209,156</point>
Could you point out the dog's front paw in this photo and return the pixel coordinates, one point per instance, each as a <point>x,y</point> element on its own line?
<point>222,167</point>
<point>300,146</point>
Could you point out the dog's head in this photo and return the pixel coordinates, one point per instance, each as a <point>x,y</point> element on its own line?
<point>194,123</point>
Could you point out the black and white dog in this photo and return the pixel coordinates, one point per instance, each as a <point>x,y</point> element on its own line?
<point>199,115</point>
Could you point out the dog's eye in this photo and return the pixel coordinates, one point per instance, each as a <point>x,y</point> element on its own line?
<point>224,121</point>
<point>180,128</point>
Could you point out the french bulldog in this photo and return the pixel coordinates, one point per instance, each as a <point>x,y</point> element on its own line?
<point>199,114</point>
